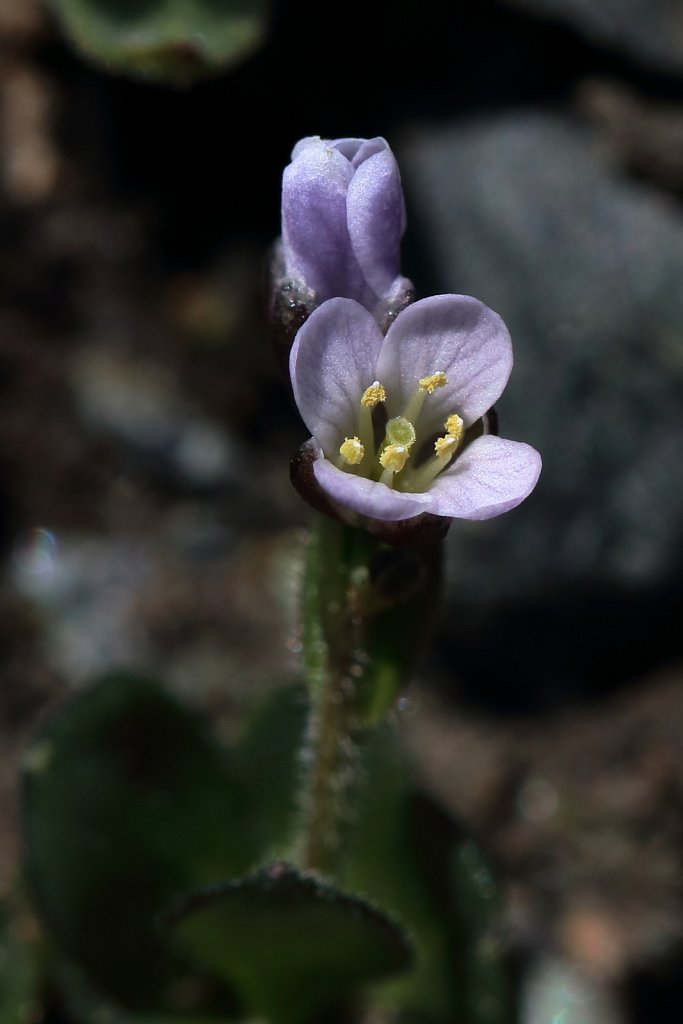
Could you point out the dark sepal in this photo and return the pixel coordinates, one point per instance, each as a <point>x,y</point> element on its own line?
<point>410,533</point>
<point>305,484</point>
<point>289,303</point>
<point>396,306</point>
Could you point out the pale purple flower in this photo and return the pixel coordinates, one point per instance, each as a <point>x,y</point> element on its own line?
<point>343,216</point>
<point>389,415</point>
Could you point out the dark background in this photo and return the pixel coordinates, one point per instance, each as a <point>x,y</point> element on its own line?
<point>146,518</point>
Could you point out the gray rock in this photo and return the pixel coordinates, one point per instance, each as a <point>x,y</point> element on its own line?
<point>527,213</point>
<point>649,30</point>
<point>141,405</point>
<point>554,990</point>
<point>85,589</point>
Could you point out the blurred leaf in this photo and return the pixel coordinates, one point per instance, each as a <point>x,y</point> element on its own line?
<point>175,41</point>
<point>483,970</point>
<point>381,861</point>
<point>410,858</point>
<point>405,586</point>
<point>19,1002</point>
<point>287,941</point>
<point>127,804</point>
<point>82,1005</point>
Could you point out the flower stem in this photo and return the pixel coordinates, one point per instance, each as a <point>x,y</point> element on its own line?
<point>330,639</point>
<point>366,611</point>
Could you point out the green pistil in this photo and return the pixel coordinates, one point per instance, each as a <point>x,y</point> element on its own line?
<point>401,431</point>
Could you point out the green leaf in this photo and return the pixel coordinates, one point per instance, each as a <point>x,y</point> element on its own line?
<point>287,941</point>
<point>175,41</point>
<point>405,591</point>
<point>383,859</point>
<point>128,803</point>
<point>412,859</point>
<point>483,969</point>
<point>19,1003</point>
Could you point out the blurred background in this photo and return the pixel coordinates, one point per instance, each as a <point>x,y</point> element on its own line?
<point>146,516</point>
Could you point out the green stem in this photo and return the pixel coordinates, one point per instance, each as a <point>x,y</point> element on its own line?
<point>330,635</point>
<point>365,613</point>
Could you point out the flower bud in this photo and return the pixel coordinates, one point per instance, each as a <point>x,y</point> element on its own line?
<point>343,216</point>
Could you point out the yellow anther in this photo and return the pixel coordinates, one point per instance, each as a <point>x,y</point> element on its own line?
<point>455,427</point>
<point>445,446</point>
<point>433,381</point>
<point>373,395</point>
<point>394,457</point>
<point>352,451</point>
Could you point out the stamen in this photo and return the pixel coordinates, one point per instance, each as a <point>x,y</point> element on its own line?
<point>394,457</point>
<point>455,427</point>
<point>352,451</point>
<point>444,447</point>
<point>392,460</point>
<point>435,380</point>
<point>373,395</point>
<point>426,386</point>
<point>444,450</point>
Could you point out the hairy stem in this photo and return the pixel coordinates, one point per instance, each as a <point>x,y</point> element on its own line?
<point>366,610</point>
<point>331,636</point>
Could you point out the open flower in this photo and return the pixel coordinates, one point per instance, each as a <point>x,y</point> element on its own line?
<point>389,415</point>
<point>343,216</point>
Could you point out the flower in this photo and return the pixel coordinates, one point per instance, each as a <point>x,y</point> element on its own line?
<point>343,216</point>
<point>390,415</point>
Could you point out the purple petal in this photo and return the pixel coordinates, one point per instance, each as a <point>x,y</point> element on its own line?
<point>368,498</point>
<point>352,149</point>
<point>376,219</point>
<point>491,476</point>
<point>315,237</point>
<point>458,335</point>
<point>331,364</point>
<point>302,144</point>
<point>368,148</point>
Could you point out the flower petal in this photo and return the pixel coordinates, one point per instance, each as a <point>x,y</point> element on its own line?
<point>458,335</point>
<point>376,218</point>
<point>331,364</point>
<point>315,236</point>
<point>357,150</point>
<point>491,476</point>
<point>368,498</point>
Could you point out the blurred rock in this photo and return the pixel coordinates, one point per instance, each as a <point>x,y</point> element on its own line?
<point>20,22</point>
<point>527,212</point>
<point>139,403</point>
<point>212,617</point>
<point>646,136</point>
<point>86,588</point>
<point>555,991</point>
<point>649,30</point>
<point>30,163</point>
<point>582,809</point>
